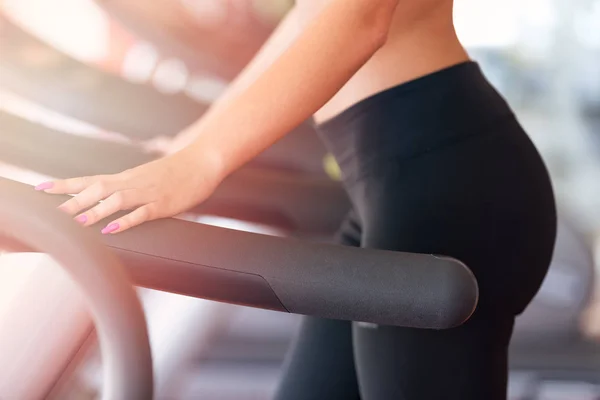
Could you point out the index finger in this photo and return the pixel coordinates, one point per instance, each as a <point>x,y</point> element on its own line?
<point>69,186</point>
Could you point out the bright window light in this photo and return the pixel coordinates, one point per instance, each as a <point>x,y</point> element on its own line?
<point>79,28</point>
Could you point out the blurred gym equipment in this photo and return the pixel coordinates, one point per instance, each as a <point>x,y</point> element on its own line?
<point>28,222</point>
<point>41,74</point>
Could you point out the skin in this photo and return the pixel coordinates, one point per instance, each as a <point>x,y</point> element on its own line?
<point>324,57</point>
<point>591,319</point>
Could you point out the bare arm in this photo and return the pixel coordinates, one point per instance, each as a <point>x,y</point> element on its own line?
<point>341,38</point>
<point>261,108</point>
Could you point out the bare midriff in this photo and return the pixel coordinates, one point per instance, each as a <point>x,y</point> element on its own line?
<point>422,40</point>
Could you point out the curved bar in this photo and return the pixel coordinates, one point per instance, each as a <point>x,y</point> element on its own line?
<point>384,287</point>
<point>27,217</point>
<point>175,32</point>
<point>291,202</point>
<point>34,70</point>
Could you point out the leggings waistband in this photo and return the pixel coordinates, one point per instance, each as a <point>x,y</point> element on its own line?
<point>414,117</point>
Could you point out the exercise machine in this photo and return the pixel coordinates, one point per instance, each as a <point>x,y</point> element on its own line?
<point>28,223</point>
<point>287,275</point>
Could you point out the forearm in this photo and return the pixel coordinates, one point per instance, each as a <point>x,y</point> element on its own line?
<point>344,35</point>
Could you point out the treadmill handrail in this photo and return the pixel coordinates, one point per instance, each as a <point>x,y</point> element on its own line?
<point>330,281</point>
<point>28,218</point>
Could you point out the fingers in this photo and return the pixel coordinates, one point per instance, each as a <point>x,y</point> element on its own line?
<point>106,195</point>
<point>140,215</point>
<point>69,186</point>
<point>90,196</point>
<point>121,200</point>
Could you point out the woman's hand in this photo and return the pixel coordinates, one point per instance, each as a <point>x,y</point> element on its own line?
<point>159,189</point>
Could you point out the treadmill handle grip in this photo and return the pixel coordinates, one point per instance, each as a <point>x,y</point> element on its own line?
<point>297,276</point>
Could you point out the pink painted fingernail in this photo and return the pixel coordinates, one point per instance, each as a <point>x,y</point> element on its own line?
<point>44,186</point>
<point>110,228</point>
<point>82,219</point>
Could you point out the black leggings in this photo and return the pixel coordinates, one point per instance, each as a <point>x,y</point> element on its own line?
<point>437,165</point>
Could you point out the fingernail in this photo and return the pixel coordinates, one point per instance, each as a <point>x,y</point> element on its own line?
<point>44,186</point>
<point>82,219</point>
<point>110,228</point>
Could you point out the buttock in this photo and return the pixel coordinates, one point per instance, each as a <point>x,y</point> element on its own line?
<point>483,200</point>
<point>447,169</point>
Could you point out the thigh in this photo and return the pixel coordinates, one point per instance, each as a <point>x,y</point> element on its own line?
<point>465,363</point>
<point>320,364</point>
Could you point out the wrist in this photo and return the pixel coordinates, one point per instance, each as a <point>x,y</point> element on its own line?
<point>205,160</point>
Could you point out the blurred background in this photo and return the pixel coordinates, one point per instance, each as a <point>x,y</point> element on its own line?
<point>169,59</point>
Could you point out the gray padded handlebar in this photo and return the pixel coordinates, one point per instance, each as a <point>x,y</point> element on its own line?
<point>300,277</point>
<point>30,220</point>
<point>384,287</point>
